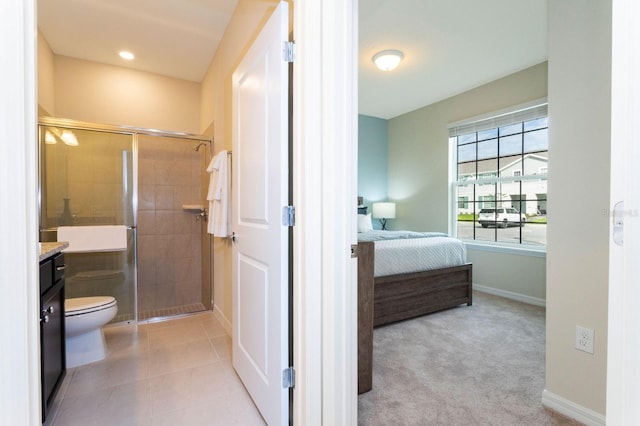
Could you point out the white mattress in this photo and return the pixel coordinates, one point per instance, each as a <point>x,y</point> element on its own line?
<point>417,254</point>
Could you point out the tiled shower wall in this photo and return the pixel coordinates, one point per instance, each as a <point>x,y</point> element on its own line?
<point>170,174</point>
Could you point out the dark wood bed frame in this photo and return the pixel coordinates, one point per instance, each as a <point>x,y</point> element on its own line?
<point>392,298</point>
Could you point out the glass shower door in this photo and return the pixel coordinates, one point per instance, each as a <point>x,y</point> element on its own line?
<point>173,245</point>
<point>87,179</point>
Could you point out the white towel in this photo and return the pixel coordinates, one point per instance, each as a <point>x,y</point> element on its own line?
<point>84,239</point>
<point>218,195</point>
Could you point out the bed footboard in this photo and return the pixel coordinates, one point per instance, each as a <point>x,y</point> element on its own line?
<point>404,296</point>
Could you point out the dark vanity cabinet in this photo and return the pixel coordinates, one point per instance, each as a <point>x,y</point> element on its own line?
<point>52,346</point>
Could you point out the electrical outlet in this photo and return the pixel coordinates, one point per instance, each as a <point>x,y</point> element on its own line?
<point>584,339</point>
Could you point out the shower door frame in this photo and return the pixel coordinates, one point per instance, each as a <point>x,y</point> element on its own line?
<point>134,132</point>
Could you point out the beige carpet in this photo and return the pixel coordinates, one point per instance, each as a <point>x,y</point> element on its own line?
<point>471,365</point>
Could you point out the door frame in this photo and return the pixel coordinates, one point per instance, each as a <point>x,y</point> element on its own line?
<point>325,160</point>
<point>20,300</point>
<point>623,349</point>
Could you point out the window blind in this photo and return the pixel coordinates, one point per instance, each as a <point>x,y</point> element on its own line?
<point>516,115</point>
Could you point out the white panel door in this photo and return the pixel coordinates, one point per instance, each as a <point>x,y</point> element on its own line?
<point>259,191</point>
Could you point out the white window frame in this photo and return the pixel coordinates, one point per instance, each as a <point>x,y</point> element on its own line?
<point>498,119</point>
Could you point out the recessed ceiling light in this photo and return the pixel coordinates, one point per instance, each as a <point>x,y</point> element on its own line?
<point>387,59</point>
<point>126,55</point>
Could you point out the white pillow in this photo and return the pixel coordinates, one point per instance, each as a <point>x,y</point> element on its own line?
<point>364,223</point>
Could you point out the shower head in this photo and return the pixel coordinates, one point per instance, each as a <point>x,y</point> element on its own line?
<point>197,147</point>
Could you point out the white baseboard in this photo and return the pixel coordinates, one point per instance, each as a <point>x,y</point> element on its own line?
<point>572,410</point>
<point>217,312</point>
<point>511,295</point>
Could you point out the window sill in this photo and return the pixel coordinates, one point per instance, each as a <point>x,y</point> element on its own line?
<point>498,248</point>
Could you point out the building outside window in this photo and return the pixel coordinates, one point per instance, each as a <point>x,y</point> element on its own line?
<point>463,202</point>
<point>500,168</point>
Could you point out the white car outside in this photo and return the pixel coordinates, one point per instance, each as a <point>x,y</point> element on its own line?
<point>502,217</point>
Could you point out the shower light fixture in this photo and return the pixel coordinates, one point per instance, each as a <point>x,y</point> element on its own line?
<point>53,135</point>
<point>69,138</point>
<point>49,138</point>
<point>387,60</point>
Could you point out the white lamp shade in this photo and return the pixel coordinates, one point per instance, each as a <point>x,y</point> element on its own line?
<point>384,210</point>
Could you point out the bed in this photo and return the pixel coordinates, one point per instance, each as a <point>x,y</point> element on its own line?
<point>399,279</point>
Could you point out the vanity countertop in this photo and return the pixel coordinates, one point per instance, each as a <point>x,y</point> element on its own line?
<point>49,249</point>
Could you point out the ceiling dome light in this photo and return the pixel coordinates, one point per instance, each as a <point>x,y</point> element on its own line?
<point>388,59</point>
<point>126,55</point>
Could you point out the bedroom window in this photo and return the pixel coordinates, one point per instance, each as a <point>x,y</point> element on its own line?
<point>499,168</point>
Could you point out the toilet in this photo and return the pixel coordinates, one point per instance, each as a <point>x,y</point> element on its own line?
<point>84,319</point>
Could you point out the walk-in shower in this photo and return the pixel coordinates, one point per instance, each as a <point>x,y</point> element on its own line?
<point>151,183</point>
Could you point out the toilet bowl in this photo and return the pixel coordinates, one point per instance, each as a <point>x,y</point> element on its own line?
<point>84,319</point>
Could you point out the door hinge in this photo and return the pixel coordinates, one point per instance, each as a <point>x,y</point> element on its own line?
<point>354,250</point>
<point>288,378</point>
<point>288,216</point>
<point>288,51</point>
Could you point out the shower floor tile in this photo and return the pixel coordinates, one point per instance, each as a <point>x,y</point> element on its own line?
<point>176,371</point>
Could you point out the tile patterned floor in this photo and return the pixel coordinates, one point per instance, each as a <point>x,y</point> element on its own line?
<point>174,372</point>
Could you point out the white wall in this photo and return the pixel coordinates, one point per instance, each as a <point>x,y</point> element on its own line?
<point>517,276</point>
<point>106,94</point>
<point>419,171</point>
<point>579,148</point>
<point>46,78</point>
<point>245,24</point>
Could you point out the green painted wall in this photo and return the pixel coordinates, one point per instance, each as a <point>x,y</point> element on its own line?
<point>418,170</point>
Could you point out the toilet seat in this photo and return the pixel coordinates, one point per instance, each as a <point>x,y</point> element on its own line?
<point>84,305</point>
